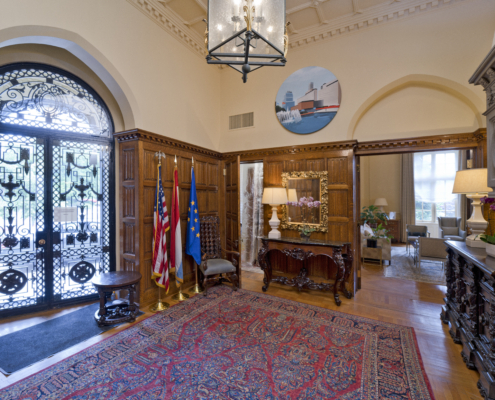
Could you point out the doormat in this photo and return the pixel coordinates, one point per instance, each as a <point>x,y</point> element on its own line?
<point>25,347</point>
<point>240,345</point>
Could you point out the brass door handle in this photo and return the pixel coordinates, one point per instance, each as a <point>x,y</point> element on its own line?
<point>41,242</point>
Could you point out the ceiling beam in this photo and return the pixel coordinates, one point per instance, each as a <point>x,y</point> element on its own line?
<point>321,16</point>
<point>201,4</point>
<point>356,8</point>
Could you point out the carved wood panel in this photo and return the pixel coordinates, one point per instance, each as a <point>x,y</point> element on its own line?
<point>295,165</point>
<point>138,169</point>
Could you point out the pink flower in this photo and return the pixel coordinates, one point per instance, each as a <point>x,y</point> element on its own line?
<point>311,199</point>
<point>487,200</point>
<point>317,203</point>
<point>492,207</point>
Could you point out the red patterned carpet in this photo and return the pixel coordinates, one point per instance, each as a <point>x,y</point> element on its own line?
<point>240,345</point>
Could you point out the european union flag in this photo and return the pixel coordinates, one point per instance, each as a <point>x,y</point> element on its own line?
<point>193,243</point>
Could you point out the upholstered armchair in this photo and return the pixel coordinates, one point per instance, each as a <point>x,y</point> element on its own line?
<point>414,232</point>
<point>450,229</point>
<point>432,249</point>
<point>213,265</point>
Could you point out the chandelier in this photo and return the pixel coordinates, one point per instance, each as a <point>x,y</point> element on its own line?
<point>246,34</point>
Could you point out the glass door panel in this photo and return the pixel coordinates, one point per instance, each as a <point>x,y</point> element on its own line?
<point>22,221</point>
<point>81,216</point>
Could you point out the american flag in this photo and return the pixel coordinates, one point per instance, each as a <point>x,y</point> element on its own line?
<point>160,226</point>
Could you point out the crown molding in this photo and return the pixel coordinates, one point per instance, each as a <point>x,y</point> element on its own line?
<point>329,146</point>
<point>439,142</point>
<point>367,18</point>
<point>168,20</point>
<point>140,134</point>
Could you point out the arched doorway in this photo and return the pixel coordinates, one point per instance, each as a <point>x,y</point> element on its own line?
<point>56,188</point>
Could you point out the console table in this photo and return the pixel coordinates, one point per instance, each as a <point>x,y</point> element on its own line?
<point>470,310</point>
<point>299,249</point>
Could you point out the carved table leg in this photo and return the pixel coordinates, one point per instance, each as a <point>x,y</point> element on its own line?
<point>132,306</point>
<point>265,265</point>
<point>339,280</point>
<point>348,266</point>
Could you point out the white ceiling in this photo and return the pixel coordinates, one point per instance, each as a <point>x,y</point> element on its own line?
<point>311,20</point>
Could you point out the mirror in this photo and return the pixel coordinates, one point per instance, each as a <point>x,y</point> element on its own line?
<point>308,200</point>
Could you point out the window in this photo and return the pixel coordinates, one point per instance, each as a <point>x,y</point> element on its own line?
<point>44,97</point>
<point>434,175</point>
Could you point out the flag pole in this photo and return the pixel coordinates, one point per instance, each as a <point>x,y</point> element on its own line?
<point>159,305</point>
<point>179,296</point>
<point>196,288</point>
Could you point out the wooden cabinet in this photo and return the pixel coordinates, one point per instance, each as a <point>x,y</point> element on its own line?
<point>393,225</point>
<point>470,310</point>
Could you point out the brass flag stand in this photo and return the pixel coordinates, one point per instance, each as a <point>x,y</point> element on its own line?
<point>196,288</point>
<point>180,296</point>
<point>160,305</point>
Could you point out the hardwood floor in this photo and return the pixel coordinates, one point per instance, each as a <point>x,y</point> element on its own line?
<point>409,303</point>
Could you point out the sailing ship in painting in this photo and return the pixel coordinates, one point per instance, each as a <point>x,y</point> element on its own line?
<point>315,107</point>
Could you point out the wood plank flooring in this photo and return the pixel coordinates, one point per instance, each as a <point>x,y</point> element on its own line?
<point>409,303</point>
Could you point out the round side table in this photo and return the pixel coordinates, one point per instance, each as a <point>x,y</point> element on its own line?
<point>121,310</point>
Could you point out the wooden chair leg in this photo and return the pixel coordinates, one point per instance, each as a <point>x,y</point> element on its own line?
<point>234,280</point>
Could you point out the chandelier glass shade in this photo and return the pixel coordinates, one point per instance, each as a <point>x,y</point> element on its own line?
<point>246,34</point>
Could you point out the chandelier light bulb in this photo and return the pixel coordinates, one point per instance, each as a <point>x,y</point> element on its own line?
<point>270,29</point>
<point>219,27</point>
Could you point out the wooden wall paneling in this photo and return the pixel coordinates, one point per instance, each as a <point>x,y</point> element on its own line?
<point>356,221</point>
<point>232,209</point>
<point>138,172</point>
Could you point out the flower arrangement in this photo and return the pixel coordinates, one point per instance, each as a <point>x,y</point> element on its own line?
<point>308,205</point>
<point>488,200</point>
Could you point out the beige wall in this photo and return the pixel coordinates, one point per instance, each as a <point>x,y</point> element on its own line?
<point>169,88</point>
<point>398,79</point>
<point>380,177</point>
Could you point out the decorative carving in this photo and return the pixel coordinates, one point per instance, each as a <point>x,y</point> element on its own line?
<point>426,142</point>
<point>12,281</point>
<point>469,363</point>
<point>323,177</point>
<point>82,272</point>
<point>298,254</point>
<point>302,281</point>
<point>344,266</point>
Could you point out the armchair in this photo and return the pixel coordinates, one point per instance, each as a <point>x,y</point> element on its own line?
<point>432,249</point>
<point>450,229</point>
<point>212,261</point>
<point>414,232</point>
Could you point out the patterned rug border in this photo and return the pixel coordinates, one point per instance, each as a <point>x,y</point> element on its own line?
<point>220,297</point>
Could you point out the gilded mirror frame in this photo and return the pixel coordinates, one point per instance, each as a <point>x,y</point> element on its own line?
<point>323,176</point>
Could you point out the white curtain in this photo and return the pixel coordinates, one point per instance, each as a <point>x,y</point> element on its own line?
<point>407,195</point>
<point>434,175</point>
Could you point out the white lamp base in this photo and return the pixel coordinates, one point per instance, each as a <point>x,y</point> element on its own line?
<point>476,223</point>
<point>274,223</point>
<point>474,241</point>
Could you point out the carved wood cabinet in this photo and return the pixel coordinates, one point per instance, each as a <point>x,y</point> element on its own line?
<point>470,310</point>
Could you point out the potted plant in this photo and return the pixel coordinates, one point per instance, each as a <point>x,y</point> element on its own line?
<point>305,232</point>
<point>375,218</point>
<point>490,244</point>
<point>378,233</point>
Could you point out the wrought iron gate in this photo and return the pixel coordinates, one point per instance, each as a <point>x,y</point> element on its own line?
<point>55,219</point>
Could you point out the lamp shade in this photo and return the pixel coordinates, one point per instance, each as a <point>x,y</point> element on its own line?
<point>471,181</point>
<point>292,195</point>
<point>381,202</point>
<point>274,195</point>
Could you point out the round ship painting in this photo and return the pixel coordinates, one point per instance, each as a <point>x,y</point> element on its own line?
<point>308,100</point>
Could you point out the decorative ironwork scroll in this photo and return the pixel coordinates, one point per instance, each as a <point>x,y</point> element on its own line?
<point>81,179</point>
<point>22,264</point>
<point>44,97</point>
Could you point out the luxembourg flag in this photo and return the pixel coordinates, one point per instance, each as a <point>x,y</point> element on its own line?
<point>175,236</point>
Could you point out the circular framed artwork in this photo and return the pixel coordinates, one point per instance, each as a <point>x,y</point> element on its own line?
<point>308,100</point>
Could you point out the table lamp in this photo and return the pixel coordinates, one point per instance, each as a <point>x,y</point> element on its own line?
<point>274,196</point>
<point>473,183</point>
<point>381,202</point>
<point>292,195</point>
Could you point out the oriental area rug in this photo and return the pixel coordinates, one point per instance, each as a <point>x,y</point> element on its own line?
<point>240,345</point>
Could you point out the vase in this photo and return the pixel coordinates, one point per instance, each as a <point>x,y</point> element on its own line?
<point>490,249</point>
<point>305,236</point>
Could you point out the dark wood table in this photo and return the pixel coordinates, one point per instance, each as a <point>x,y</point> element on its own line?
<point>299,249</point>
<point>117,311</point>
